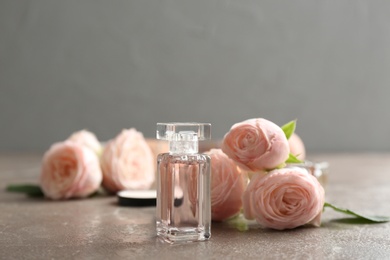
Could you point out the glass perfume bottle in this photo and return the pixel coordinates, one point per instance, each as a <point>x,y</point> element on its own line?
<point>183,212</point>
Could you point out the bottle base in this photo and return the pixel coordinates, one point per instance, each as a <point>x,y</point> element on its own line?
<point>182,235</point>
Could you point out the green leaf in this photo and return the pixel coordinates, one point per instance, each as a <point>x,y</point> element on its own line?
<point>99,193</point>
<point>280,166</point>
<point>369,219</point>
<point>289,128</point>
<point>292,159</point>
<point>29,189</point>
<point>239,222</point>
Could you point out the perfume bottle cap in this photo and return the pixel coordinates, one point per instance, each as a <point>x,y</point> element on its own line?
<point>183,137</point>
<point>183,131</point>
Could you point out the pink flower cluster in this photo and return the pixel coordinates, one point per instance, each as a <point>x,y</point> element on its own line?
<point>78,166</point>
<point>278,198</point>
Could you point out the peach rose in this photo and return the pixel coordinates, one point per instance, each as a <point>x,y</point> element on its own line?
<point>256,145</point>
<point>228,183</point>
<point>297,147</point>
<point>70,170</point>
<point>87,139</point>
<point>127,162</point>
<point>284,199</point>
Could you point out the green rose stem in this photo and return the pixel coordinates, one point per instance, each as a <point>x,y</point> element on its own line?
<point>366,218</point>
<point>29,189</point>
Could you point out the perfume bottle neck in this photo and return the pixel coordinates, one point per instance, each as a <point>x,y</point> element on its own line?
<point>183,147</point>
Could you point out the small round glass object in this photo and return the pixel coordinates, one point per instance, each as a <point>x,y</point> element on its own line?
<point>320,170</point>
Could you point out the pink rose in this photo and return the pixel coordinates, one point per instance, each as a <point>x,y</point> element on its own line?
<point>256,145</point>
<point>70,170</point>
<point>228,183</point>
<point>284,199</point>
<point>87,139</point>
<point>297,147</point>
<point>127,162</point>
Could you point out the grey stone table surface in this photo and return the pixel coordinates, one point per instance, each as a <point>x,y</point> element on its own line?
<point>97,228</point>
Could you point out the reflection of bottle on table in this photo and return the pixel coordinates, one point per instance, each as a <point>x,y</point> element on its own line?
<point>183,184</point>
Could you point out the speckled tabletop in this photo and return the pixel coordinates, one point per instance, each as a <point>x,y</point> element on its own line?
<point>97,228</point>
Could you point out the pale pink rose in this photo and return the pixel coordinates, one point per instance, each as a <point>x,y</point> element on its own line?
<point>88,139</point>
<point>70,170</point>
<point>284,199</point>
<point>127,162</point>
<point>297,147</point>
<point>228,183</point>
<point>256,145</point>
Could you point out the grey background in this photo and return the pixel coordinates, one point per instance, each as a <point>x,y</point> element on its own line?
<point>108,65</point>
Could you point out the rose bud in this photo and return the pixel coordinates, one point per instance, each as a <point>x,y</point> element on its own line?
<point>256,145</point>
<point>87,139</point>
<point>297,148</point>
<point>228,183</point>
<point>69,170</point>
<point>127,162</point>
<point>284,199</point>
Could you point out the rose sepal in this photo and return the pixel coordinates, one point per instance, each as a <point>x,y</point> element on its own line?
<point>289,128</point>
<point>292,159</point>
